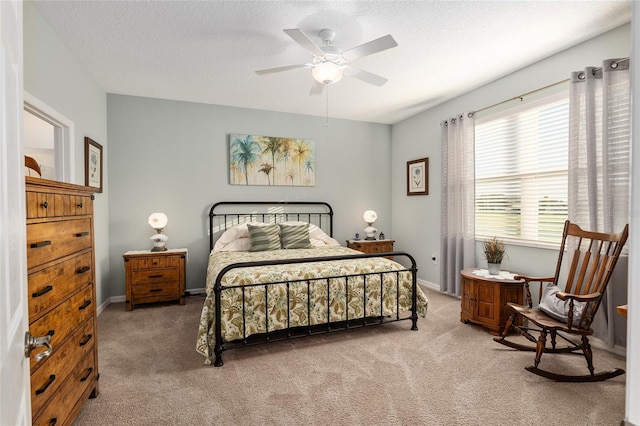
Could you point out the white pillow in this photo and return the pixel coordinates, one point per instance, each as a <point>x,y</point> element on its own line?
<point>557,308</point>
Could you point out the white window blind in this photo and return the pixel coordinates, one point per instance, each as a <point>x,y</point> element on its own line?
<point>521,160</point>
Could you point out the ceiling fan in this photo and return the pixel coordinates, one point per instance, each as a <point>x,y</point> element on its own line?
<point>330,63</point>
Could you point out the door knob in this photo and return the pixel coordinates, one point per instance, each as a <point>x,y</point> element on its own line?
<point>31,343</point>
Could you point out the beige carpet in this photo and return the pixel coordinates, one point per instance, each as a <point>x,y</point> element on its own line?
<point>447,373</point>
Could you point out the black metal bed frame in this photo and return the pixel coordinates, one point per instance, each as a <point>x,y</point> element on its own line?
<point>277,215</point>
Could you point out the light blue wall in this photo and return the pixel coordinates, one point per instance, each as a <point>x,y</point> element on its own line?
<point>54,76</point>
<point>171,156</point>
<point>416,219</point>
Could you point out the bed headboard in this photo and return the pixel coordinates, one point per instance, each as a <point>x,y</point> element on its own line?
<point>226,214</point>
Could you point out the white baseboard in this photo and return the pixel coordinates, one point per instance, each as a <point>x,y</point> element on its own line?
<point>123,298</point>
<point>428,285</point>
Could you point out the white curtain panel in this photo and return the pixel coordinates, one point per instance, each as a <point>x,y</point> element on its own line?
<point>457,242</point>
<point>599,160</point>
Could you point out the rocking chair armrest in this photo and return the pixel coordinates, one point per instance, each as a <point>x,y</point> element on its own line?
<point>528,279</point>
<point>578,297</point>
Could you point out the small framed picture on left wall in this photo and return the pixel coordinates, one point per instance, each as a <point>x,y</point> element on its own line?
<point>93,164</point>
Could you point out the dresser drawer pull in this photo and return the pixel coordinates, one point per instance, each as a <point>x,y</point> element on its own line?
<point>82,234</point>
<point>42,292</point>
<point>53,421</point>
<point>40,244</point>
<point>87,374</point>
<point>83,269</point>
<point>84,305</point>
<point>44,205</point>
<point>86,339</point>
<point>46,385</point>
<point>155,290</point>
<point>155,276</point>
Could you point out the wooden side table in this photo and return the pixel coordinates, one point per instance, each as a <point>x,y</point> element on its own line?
<point>155,276</point>
<point>371,246</point>
<point>484,299</point>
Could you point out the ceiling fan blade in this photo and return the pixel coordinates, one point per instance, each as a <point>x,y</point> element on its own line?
<point>374,46</point>
<point>365,76</point>
<point>280,69</point>
<point>301,38</point>
<point>317,88</point>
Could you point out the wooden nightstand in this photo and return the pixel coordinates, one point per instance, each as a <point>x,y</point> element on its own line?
<point>371,246</point>
<point>155,276</point>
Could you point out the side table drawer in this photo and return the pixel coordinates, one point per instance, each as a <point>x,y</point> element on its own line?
<point>154,276</point>
<point>145,293</point>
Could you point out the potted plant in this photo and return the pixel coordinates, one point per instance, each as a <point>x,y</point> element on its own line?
<point>494,252</point>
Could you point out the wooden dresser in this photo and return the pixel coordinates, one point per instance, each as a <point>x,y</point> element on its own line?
<point>154,276</point>
<point>62,299</point>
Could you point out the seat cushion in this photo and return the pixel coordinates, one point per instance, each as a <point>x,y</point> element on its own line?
<point>557,308</point>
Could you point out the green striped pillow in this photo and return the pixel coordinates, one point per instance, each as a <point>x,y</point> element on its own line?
<point>265,237</point>
<point>295,236</point>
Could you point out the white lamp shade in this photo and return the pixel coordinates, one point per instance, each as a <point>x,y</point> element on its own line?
<point>370,216</point>
<point>158,220</point>
<point>327,73</point>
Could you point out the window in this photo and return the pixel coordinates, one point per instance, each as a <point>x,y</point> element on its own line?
<point>521,160</point>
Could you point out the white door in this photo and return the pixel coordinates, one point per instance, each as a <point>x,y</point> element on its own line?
<point>15,402</point>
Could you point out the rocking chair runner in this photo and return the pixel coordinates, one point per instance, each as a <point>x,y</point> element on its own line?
<point>589,271</point>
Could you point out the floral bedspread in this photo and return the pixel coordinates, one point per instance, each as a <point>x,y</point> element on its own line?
<point>344,295</point>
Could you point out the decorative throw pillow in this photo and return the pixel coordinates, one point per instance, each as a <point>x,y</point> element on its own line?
<point>266,237</point>
<point>295,236</point>
<point>557,308</point>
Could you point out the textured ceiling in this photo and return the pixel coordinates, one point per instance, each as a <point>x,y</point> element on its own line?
<point>207,51</point>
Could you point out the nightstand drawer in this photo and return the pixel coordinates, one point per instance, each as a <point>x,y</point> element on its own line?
<point>154,276</point>
<point>156,262</point>
<point>145,293</point>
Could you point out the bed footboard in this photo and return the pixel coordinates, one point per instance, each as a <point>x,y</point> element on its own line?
<point>289,332</point>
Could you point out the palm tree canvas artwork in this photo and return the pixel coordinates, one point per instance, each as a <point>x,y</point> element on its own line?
<point>269,160</point>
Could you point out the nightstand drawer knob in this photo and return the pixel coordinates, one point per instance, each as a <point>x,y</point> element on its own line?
<point>155,290</point>
<point>155,276</point>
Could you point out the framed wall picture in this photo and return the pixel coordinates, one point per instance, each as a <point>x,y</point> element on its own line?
<point>93,164</point>
<point>418,177</point>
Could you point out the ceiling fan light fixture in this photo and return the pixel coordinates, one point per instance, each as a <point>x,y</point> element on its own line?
<point>327,72</point>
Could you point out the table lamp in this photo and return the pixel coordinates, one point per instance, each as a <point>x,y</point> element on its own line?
<point>158,221</point>
<point>370,217</point>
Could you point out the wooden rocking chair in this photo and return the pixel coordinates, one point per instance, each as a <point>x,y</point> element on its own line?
<point>593,258</point>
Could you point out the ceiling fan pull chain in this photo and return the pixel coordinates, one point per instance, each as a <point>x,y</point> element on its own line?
<point>327,105</point>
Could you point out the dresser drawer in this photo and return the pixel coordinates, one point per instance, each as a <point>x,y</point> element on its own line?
<point>48,378</point>
<point>62,320</point>
<point>43,205</point>
<point>52,240</point>
<point>154,276</point>
<point>146,293</point>
<point>66,403</point>
<point>48,286</point>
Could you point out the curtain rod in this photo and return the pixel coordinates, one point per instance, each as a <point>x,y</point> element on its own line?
<point>521,96</point>
<point>614,65</point>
